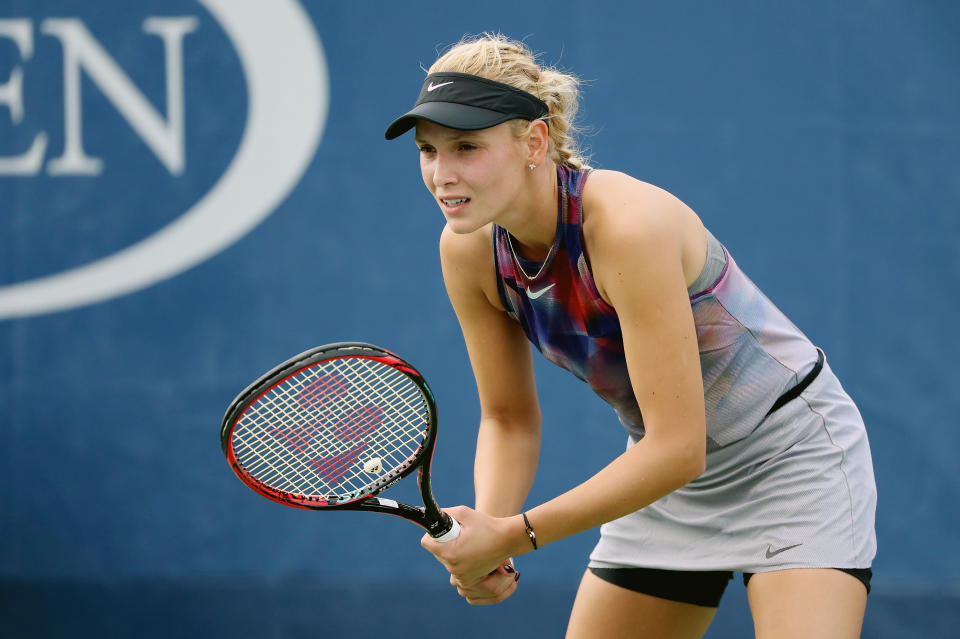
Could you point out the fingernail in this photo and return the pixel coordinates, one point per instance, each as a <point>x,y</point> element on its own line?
<point>516,576</point>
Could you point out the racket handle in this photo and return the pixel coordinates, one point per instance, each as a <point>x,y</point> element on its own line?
<point>453,532</point>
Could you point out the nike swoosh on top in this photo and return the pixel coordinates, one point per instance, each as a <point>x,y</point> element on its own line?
<point>535,294</point>
<point>773,553</point>
<point>433,86</point>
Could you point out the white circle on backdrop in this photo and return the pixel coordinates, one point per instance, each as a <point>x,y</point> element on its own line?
<point>288,96</point>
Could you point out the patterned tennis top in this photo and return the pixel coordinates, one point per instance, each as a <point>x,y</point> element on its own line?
<point>750,352</point>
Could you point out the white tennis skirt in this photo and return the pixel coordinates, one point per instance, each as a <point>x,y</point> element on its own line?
<point>798,492</point>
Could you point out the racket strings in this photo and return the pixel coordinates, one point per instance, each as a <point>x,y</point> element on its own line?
<point>328,457</point>
<point>308,434</point>
<point>374,391</point>
<point>334,448</point>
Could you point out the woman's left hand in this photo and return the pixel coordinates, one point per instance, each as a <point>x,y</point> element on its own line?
<point>493,588</point>
<point>484,546</point>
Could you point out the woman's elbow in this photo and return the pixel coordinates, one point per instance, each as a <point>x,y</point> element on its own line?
<point>691,459</point>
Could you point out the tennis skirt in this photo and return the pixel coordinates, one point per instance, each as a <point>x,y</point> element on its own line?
<point>798,492</point>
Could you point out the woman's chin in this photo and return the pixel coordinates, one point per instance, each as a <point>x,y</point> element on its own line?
<point>462,226</point>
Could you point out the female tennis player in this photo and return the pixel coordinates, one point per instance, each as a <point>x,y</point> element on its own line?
<point>745,454</point>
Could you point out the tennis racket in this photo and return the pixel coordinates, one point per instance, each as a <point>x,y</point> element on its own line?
<point>335,426</point>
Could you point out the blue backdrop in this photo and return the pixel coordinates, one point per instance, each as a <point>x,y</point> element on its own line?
<point>151,265</point>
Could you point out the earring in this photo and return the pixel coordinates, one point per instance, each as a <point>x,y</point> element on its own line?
<point>532,166</point>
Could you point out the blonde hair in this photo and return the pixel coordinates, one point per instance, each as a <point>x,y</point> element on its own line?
<point>496,57</point>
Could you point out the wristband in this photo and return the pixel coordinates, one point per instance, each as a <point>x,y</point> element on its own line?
<point>532,535</point>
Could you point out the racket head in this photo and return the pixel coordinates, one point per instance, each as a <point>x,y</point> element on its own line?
<point>331,427</point>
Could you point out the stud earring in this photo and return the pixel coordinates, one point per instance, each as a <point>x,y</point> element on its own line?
<point>532,166</point>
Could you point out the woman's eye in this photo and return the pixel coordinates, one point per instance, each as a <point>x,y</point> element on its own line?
<point>426,149</point>
<point>467,147</point>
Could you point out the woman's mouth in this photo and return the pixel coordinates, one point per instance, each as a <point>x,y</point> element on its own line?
<point>452,204</point>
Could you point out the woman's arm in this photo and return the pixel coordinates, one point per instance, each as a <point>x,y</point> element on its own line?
<point>508,441</point>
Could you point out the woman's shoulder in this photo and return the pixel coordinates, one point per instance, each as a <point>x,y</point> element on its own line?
<point>619,204</point>
<point>624,216</point>
<point>468,264</point>
<point>468,249</point>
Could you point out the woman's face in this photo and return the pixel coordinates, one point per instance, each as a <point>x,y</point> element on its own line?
<point>474,176</point>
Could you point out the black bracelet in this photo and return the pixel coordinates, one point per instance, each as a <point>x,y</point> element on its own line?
<point>532,535</point>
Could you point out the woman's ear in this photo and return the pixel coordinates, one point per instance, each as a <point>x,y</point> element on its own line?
<point>538,141</point>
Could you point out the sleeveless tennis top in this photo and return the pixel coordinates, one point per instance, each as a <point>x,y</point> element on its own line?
<point>750,353</point>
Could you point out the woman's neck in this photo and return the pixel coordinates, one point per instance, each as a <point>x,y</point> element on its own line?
<point>534,228</point>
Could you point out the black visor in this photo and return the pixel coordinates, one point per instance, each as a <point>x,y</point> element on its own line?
<point>467,102</point>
